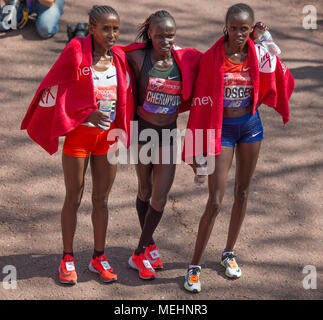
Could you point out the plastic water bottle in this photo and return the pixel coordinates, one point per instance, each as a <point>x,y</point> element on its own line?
<point>264,38</point>
<point>109,112</point>
<point>200,176</point>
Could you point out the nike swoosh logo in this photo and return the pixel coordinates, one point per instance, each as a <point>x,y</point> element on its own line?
<point>255,134</point>
<point>170,78</point>
<point>108,77</point>
<point>245,69</point>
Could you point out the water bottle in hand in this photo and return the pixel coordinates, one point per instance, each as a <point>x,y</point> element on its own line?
<point>263,37</point>
<point>109,112</point>
<point>200,176</point>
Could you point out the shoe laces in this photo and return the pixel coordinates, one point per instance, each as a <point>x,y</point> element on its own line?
<point>102,258</point>
<point>228,255</point>
<point>229,259</point>
<point>69,263</point>
<point>195,271</point>
<point>68,258</point>
<point>152,247</point>
<point>104,262</point>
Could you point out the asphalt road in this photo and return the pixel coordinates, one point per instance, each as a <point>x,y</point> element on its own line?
<point>282,232</point>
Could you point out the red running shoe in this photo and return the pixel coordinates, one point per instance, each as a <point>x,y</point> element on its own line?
<point>67,273</point>
<point>153,256</point>
<point>102,266</point>
<point>140,263</point>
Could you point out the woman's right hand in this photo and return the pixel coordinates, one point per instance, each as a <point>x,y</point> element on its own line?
<point>97,117</point>
<point>258,29</point>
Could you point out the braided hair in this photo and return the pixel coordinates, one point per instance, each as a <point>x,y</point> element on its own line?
<point>143,28</point>
<point>98,11</point>
<point>234,10</point>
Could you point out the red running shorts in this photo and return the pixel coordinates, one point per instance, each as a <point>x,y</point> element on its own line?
<point>84,140</point>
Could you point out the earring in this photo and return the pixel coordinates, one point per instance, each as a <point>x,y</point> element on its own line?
<point>226,34</point>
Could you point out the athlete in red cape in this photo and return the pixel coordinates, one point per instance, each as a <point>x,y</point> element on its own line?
<point>63,100</point>
<point>272,82</point>
<point>187,60</point>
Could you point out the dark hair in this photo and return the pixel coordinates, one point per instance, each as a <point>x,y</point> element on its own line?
<point>98,11</point>
<point>144,27</point>
<point>236,9</point>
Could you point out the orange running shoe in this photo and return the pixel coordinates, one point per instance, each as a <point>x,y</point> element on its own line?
<point>153,256</point>
<point>102,266</point>
<point>67,273</point>
<point>140,263</point>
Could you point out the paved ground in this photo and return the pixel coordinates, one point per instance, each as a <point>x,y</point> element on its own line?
<point>283,228</point>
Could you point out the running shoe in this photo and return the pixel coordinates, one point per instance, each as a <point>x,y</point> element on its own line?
<point>140,263</point>
<point>102,266</point>
<point>229,262</point>
<point>67,273</point>
<point>192,280</point>
<point>153,256</point>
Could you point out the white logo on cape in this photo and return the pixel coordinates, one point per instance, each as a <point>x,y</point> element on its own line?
<point>48,98</point>
<point>267,63</point>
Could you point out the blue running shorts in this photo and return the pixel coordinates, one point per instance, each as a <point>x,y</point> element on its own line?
<point>245,129</point>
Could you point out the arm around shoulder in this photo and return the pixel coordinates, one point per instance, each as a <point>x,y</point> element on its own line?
<point>135,59</point>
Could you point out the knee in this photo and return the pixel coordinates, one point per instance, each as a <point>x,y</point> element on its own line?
<point>159,204</point>
<point>241,193</point>
<point>73,200</point>
<point>214,206</point>
<point>144,193</point>
<point>46,31</point>
<point>99,200</point>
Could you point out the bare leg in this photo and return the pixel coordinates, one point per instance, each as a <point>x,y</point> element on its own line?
<point>163,178</point>
<point>103,176</point>
<point>217,184</point>
<point>144,175</point>
<point>74,170</point>
<point>246,160</point>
